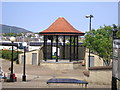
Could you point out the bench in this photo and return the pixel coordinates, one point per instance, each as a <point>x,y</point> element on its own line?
<point>64,80</point>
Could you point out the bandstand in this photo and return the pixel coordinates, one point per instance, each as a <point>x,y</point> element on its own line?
<point>61,29</point>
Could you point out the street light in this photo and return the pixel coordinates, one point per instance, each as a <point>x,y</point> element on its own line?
<point>12,39</point>
<point>17,61</point>
<point>24,76</point>
<point>114,80</point>
<point>89,16</point>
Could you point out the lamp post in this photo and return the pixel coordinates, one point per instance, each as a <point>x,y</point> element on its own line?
<point>114,80</point>
<point>12,39</point>
<point>24,76</point>
<point>17,61</point>
<point>89,16</point>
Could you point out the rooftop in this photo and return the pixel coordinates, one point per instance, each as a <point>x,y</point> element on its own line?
<point>61,27</point>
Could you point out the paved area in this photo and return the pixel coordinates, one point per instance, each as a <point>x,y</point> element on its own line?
<point>37,77</point>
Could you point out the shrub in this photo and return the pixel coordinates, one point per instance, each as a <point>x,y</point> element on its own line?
<point>54,57</point>
<point>7,54</point>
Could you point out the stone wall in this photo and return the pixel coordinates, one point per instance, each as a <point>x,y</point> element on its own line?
<point>61,65</point>
<point>97,60</point>
<point>100,75</point>
<point>118,85</point>
<point>48,52</point>
<point>39,57</point>
<point>81,52</point>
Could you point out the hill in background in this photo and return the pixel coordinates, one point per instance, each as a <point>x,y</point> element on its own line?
<point>12,29</point>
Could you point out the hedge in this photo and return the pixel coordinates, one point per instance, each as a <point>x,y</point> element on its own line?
<point>7,54</point>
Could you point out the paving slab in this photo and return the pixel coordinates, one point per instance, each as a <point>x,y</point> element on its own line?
<point>37,77</point>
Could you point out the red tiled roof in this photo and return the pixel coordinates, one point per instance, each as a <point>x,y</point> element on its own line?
<point>61,26</point>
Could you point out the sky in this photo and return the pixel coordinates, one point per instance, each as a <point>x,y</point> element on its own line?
<point>38,16</point>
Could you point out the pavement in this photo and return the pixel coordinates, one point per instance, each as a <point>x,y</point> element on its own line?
<point>37,77</point>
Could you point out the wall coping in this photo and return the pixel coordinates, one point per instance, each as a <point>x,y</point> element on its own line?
<point>61,61</point>
<point>100,68</point>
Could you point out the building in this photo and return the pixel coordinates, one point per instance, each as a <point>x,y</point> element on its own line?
<point>61,43</point>
<point>61,28</point>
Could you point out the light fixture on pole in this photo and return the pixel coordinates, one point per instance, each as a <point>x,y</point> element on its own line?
<point>89,16</point>
<point>17,61</point>
<point>114,61</point>
<point>12,39</point>
<point>24,76</point>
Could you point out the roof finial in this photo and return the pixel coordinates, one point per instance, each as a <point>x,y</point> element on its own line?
<point>60,17</point>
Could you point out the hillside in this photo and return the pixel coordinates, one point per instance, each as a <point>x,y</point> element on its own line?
<point>11,29</point>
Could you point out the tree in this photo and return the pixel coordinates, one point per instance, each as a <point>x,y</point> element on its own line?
<point>100,42</point>
<point>72,41</point>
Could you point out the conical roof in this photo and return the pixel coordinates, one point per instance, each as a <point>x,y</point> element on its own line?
<point>61,27</point>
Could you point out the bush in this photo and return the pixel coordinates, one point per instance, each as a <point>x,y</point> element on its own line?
<point>54,57</point>
<point>7,54</point>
